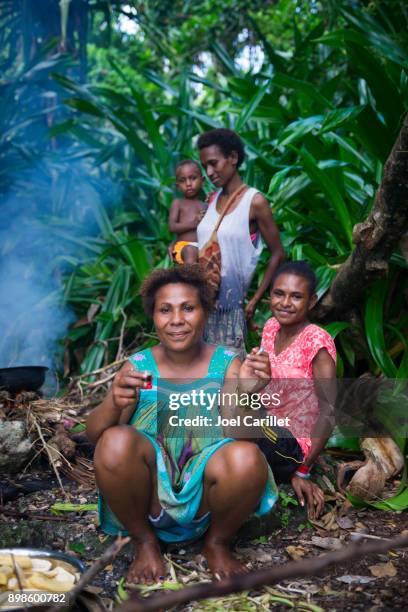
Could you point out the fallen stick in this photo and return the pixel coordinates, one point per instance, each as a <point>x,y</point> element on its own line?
<point>50,457</point>
<point>99,370</point>
<point>109,554</point>
<point>98,383</point>
<point>259,578</point>
<point>357,536</point>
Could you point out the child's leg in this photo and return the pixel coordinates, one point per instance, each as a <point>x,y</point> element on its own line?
<point>282,452</point>
<point>125,470</point>
<point>189,254</point>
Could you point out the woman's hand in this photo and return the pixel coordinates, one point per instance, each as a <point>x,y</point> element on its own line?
<point>126,386</point>
<point>200,215</point>
<point>250,309</point>
<point>308,491</point>
<point>255,372</point>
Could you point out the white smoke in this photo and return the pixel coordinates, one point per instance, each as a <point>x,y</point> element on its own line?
<point>35,251</point>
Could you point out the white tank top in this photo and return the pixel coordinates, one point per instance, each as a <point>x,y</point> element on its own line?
<point>239,256</point>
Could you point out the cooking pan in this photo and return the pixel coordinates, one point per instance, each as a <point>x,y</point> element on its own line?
<point>23,378</point>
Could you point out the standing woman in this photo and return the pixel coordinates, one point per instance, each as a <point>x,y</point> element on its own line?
<point>247,222</point>
<point>160,479</point>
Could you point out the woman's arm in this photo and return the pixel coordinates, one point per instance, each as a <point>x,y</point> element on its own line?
<point>270,234</point>
<point>242,382</point>
<point>119,403</point>
<point>324,374</point>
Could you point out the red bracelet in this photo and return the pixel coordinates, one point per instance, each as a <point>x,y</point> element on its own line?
<point>303,469</point>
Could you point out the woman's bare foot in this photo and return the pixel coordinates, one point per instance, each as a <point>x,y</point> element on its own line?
<point>221,561</point>
<point>148,566</point>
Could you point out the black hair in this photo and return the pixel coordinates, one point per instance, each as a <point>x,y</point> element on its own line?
<point>299,268</point>
<point>189,274</point>
<point>227,141</point>
<point>185,162</point>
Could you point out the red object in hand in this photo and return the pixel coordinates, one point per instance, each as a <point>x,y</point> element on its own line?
<point>147,380</point>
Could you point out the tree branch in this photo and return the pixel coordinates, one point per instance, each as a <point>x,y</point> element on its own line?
<point>375,238</point>
<point>109,554</point>
<point>244,582</point>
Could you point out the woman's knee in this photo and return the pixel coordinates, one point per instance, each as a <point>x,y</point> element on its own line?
<point>120,444</point>
<point>240,460</point>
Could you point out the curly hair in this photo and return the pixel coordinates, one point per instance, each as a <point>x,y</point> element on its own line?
<point>187,162</point>
<point>226,140</point>
<point>188,274</point>
<point>298,268</point>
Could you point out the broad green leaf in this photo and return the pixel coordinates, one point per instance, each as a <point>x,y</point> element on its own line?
<point>373,324</point>
<point>287,82</point>
<point>336,327</point>
<point>250,108</point>
<point>330,190</point>
<point>297,129</point>
<point>222,55</point>
<point>85,106</point>
<point>338,117</point>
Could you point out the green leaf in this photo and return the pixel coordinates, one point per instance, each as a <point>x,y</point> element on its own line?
<point>77,547</point>
<point>78,428</point>
<point>336,327</point>
<point>61,507</point>
<point>250,108</point>
<point>85,106</point>
<point>337,440</point>
<point>310,91</point>
<point>338,117</point>
<point>388,101</point>
<point>225,58</point>
<point>135,253</point>
<point>330,190</point>
<point>373,323</point>
<point>297,129</point>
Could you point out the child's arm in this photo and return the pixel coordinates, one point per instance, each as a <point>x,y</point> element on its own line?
<point>175,225</point>
<point>324,374</point>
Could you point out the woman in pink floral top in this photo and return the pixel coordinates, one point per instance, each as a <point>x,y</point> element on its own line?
<point>303,364</point>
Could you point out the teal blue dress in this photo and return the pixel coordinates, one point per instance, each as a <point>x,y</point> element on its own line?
<point>181,452</point>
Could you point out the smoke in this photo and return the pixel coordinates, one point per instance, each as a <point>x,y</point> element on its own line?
<point>46,220</point>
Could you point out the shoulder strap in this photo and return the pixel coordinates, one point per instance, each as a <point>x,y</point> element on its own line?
<point>144,360</point>
<point>233,197</point>
<point>220,361</point>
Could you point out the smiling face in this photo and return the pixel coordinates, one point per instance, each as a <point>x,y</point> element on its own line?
<point>189,180</point>
<point>219,169</point>
<point>291,299</point>
<point>178,316</point>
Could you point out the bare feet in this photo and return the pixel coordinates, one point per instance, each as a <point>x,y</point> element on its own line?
<point>221,561</point>
<point>148,566</point>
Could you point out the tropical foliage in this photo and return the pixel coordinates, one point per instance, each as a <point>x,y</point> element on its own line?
<point>318,126</point>
<point>319,114</point>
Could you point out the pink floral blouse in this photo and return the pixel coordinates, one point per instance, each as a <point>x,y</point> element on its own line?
<point>292,378</point>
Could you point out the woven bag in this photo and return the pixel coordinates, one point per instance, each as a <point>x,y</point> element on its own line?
<point>209,256</point>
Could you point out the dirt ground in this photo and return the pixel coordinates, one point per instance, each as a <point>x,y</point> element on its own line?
<point>351,586</point>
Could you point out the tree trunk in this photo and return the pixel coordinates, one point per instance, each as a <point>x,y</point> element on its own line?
<point>375,238</point>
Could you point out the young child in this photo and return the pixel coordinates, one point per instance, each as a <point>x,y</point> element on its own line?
<point>303,364</point>
<point>187,212</point>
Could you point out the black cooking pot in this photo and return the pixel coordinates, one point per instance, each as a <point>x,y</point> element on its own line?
<point>23,378</point>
